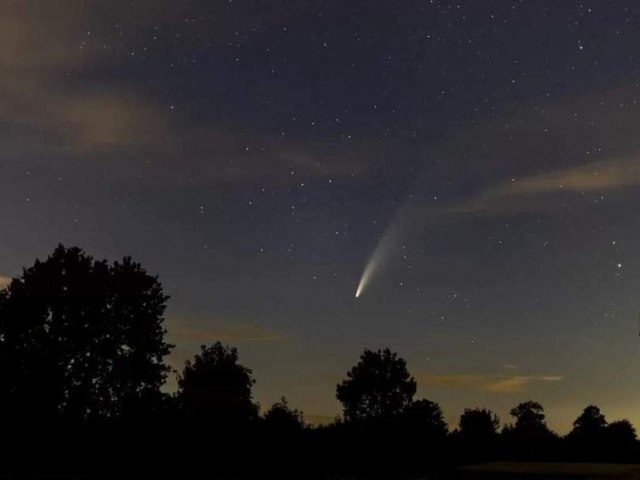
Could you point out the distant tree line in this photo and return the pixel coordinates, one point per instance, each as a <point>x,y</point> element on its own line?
<point>82,363</point>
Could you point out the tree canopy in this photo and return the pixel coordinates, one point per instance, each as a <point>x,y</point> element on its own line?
<point>426,417</point>
<point>379,385</point>
<point>530,417</point>
<point>478,424</point>
<point>282,418</point>
<point>621,432</point>
<point>81,338</point>
<point>591,423</point>
<point>214,386</point>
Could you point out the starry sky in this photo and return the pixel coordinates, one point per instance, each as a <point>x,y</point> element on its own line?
<point>482,157</point>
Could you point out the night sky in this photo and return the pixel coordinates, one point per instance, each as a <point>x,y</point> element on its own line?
<point>478,160</point>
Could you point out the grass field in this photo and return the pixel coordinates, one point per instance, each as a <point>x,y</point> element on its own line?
<point>551,471</point>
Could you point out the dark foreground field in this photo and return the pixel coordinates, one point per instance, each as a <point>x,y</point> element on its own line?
<point>550,471</point>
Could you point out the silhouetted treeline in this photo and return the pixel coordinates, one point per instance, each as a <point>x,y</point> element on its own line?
<point>82,363</point>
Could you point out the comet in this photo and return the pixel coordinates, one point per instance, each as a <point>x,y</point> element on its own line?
<point>409,218</point>
<point>367,274</point>
<point>380,255</point>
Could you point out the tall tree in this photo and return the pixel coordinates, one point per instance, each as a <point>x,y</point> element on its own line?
<point>379,385</point>
<point>215,387</point>
<point>81,338</point>
<point>530,417</point>
<point>588,438</point>
<point>530,437</point>
<point>591,424</point>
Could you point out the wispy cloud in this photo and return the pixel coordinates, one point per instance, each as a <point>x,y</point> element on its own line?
<point>487,383</point>
<point>49,92</point>
<point>598,176</point>
<point>43,49</point>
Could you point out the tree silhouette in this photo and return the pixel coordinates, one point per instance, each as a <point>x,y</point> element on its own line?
<point>378,386</point>
<point>420,435</point>
<point>426,418</point>
<point>477,435</point>
<point>80,338</point>
<point>621,441</point>
<point>530,417</point>
<point>479,425</point>
<point>217,411</point>
<point>587,439</point>
<point>529,438</point>
<point>591,424</point>
<point>283,436</point>
<point>621,432</point>
<point>215,387</point>
<point>283,419</point>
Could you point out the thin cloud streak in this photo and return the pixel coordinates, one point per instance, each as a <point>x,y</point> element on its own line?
<point>603,175</point>
<point>486,383</point>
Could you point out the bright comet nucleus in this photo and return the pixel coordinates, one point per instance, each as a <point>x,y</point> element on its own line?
<point>366,275</point>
